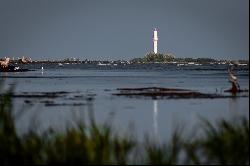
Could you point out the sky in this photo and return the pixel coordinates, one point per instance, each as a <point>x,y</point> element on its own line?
<point>123,29</point>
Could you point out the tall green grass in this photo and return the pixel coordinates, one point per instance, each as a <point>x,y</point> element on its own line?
<point>224,143</point>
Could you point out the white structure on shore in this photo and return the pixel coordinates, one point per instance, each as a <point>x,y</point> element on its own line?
<point>155,40</point>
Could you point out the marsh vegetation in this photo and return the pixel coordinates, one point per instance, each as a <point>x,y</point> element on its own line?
<point>224,143</point>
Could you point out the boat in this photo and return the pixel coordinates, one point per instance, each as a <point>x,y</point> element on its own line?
<point>24,60</point>
<point>12,68</point>
<point>101,64</point>
<point>6,67</point>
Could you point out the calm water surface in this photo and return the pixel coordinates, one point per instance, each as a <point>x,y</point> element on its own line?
<point>158,118</point>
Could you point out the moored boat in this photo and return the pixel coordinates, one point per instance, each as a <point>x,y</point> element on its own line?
<point>5,66</point>
<point>11,68</point>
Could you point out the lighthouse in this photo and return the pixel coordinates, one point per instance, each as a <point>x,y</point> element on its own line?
<point>155,41</point>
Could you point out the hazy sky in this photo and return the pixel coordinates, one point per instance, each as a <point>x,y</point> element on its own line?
<point>122,29</point>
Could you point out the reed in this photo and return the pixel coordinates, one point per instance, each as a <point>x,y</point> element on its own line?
<point>224,143</point>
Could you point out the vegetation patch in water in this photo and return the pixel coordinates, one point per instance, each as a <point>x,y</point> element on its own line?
<point>169,93</point>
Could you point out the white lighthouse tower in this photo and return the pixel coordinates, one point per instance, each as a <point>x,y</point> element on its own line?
<point>155,41</point>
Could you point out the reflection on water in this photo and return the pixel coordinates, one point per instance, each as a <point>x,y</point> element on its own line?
<point>233,106</point>
<point>155,120</point>
<point>42,71</point>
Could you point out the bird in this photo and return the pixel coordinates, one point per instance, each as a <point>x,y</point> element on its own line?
<point>233,79</point>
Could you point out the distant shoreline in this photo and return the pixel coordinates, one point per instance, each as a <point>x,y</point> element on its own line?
<point>149,58</point>
<point>135,61</point>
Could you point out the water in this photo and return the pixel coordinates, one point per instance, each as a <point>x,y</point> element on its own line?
<point>157,118</point>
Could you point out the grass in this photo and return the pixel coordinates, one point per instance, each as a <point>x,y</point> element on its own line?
<point>224,143</point>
